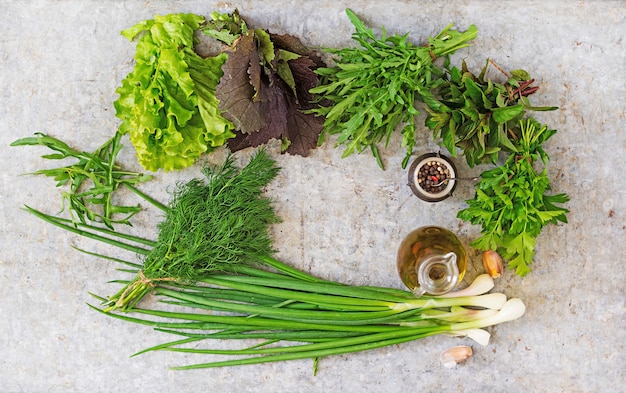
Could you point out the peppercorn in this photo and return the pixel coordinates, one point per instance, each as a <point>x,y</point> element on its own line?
<point>431,177</point>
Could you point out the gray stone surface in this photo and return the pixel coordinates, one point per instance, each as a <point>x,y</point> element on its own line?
<point>343,218</point>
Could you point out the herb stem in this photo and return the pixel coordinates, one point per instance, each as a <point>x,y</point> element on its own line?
<point>59,222</point>
<point>146,197</point>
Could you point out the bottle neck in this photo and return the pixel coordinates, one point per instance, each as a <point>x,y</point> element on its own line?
<point>437,274</point>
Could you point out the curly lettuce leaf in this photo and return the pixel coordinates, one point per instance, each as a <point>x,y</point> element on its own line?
<point>167,102</point>
<point>206,74</point>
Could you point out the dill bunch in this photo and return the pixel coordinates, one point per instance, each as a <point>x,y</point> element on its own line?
<point>211,225</point>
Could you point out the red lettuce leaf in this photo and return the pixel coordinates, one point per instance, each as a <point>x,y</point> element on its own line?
<point>238,89</point>
<point>303,131</point>
<point>261,105</point>
<point>293,44</point>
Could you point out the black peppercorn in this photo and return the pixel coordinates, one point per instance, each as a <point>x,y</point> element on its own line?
<point>432,175</point>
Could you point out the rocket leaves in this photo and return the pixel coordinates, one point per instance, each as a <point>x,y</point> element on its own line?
<point>372,88</point>
<point>265,88</point>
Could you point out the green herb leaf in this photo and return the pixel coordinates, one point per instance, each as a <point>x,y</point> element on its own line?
<point>229,218</point>
<point>92,179</point>
<point>372,89</point>
<point>511,202</point>
<point>507,113</point>
<point>226,28</point>
<point>477,115</point>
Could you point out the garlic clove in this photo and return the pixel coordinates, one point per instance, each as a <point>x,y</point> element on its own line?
<point>492,262</point>
<point>452,356</point>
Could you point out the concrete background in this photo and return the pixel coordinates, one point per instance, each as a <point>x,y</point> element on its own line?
<point>60,62</point>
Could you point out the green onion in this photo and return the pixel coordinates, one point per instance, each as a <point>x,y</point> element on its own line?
<point>253,297</point>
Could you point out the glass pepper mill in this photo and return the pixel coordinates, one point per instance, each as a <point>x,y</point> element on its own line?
<point>431,261</point>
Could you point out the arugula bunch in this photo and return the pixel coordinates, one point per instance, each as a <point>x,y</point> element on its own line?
<point>167,103</point>
<point>511,201</point>
<point>476,115</point>
<point>265,87</point>
<point>372,89</point>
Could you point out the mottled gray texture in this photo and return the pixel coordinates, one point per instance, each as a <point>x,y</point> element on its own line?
<point>343,218</point>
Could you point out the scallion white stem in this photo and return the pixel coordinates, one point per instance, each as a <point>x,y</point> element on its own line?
<point>480,336</point>
<point>493,301</point>
<point>458,314</point>
<point>513,309</point>
<point>481,284</point>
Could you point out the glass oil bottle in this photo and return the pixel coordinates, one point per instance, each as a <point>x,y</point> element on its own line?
<point>431,260</point>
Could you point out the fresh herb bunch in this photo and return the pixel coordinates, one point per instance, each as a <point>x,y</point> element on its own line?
<point>372,89</point>
<point>167,103</point>
<point>476,115</point>
<point>210,226</point>
<point>92,180</point>
<point>511,202</point>
<point>265,87</point>
<point>232,289</point>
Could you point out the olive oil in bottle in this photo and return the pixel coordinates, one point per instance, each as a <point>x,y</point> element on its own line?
<point>431,260</point>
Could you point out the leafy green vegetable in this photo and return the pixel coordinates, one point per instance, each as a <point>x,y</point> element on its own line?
<point>167,103</point>
<point>476,115</point>
<point>373,88</point>
<point>92,180</point>
<point>226,28</point>
<point>309,320</point>
<point>210,226</point>
<point>265,87</point>
<point>511,202</point>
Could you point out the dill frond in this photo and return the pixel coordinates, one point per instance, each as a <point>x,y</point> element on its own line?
<point>214,224</point>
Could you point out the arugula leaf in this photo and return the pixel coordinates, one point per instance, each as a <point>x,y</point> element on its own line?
<point>372,89</point>
<point>511,201</point>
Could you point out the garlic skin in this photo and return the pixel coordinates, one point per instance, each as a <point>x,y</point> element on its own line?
<point>492,262</point>
<point>452,356</point>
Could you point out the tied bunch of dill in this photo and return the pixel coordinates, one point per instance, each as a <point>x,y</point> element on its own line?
<point>226,211</point>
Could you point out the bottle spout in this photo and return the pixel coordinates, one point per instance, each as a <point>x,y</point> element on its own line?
<point>418,291</point>
<point>437,275</point>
